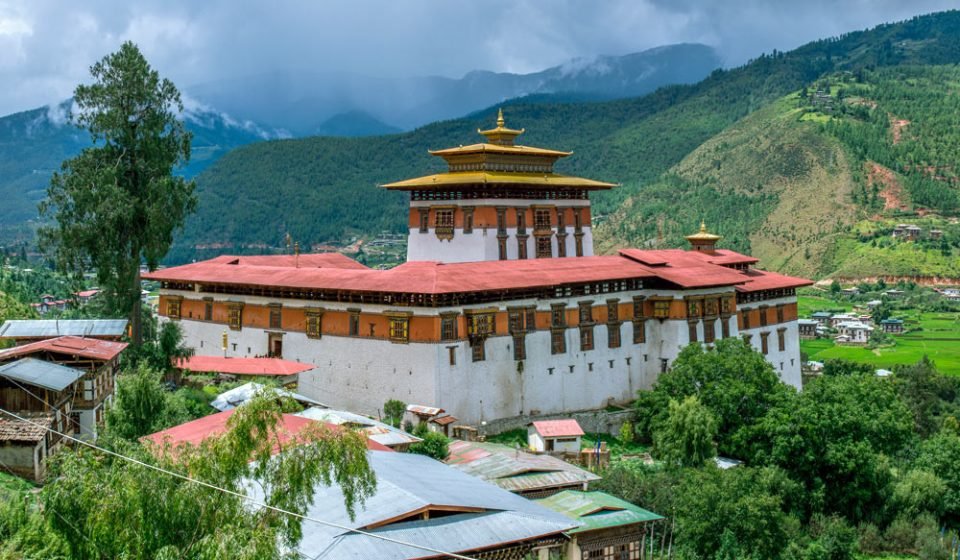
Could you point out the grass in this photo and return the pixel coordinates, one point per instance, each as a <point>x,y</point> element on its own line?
<point>10,484</point>
<point>807,304</point>
<point>617,448</point>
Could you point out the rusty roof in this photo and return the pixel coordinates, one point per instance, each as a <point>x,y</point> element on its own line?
<point>92,348</point>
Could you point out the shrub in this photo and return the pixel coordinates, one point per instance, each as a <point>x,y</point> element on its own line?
<point>434,445</point>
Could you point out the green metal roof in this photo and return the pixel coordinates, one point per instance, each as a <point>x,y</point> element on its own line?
<point>596,510</point>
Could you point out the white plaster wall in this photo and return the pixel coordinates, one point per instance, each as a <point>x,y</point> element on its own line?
<point>786,363</point>
<point>566,446</point>
<point>88,423</point>
<point>482,245</point>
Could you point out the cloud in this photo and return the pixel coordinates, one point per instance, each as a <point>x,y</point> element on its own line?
<point>47,47</point>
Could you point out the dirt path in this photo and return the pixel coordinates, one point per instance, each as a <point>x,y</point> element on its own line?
<point>897,126</point>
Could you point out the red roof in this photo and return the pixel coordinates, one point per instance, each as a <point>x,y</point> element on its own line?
<point>243,366</point>
<point>87,293</point>
<point>92,348</point>
<point>558,428</point>
<point>198,430</point>
<point>758,280</point>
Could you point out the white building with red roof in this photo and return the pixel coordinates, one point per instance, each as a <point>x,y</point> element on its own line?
<point>555,436</point>
<point>501,310</point>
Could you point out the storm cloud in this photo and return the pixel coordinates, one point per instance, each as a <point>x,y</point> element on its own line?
<point>47,47</point>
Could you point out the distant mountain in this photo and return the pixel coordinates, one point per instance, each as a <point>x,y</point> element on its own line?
<point>354,123</point>
<point>34,143</point>
<point>294,101</point>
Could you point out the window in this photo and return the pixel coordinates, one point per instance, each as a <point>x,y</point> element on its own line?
<point>502,247</point>
<point>519,348</point>
<point>782,339</point>
<point>208,309</point>
<point>88,390</point>
<point>353,325</point>
<point>710,307</point>
<point>558,315</point>
<point>477,351</point>
<point>558,341</point>
<point>531,319</point>
<point>763,315</point>
<point>726,306</point>
<point>75,422</point>
<point>235,316</point>
<point>521,246</point>
<point>578,239</point>
<point>709,330</point>
<point>725,327</point>
<point>443,223</point>
<point>448,327</point>
<point>562,245</point>
<point>515,320</point>
<point>586,312</point>
<point>745,315</point>
<point>502,222</point>
<point>613,335</point>
<point>452,351</point>
<point>692,330</point>
<point>400,328</point>
<point>638,307</point>
<point>586,338</point>
<point>313,323</point>
<point>544,247</point>
<point>173,307</point>
<point>521,221</point>
<point>693,308</point>
<point>664,365</point>
<point>541,219</point>
<point>424,220</point>
<point>481,324</point>
<point>780,313</point>
<point>661,308</point>
<point>577,220</point>
<point>639,331</point>
<point>276,318</point>
<point>747,339</point>
<point>561,219</point>
<point>467,219</point>
<point>764,345</point>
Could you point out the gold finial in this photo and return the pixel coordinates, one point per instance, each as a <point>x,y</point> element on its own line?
<point>500,121</point>
<point>501,134</point>
<point>703,226</point>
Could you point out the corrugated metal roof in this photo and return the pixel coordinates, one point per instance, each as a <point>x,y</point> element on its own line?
<point>515,470</point>
<point>40,373</point>
<point>93,348</point>
<point>407,483</point>
<point>237,396</point>
<point>423,409</point>
<point>596,510</point>
<point>243,366</point>
<point>52,328</point>
<point>379,432</point>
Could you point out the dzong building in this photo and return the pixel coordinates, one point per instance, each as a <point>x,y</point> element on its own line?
<point>502,309</point>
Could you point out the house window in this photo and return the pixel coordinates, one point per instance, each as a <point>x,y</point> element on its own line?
<point>467,219</point>
<point>693,308</point>
<point>502,247</point>
<point>313,323</point>
<point>613,335</point>
<point>661,308</point>
<point>521,221</point>
<point>558,341</point>
<point>725,327</point>
<point>782,339</point>
<point>763,315</point>
<point>586,338</point>
<point>726,306</point>
<point>502,222</point>
<point>478,351</point>
<point>747,339</point>
<point>443,223</point>
<point>424,220</point>
<point>448,327</point>
<point>541,219</point>
<point>173,307</point>
<point>400,328</point>
<point>558,315</point>
<point>208,310</point>
<point>745,314</point>
<point>664,365</point>
<point>764,345</point>
<point>578,239</point>
<point>480,324</point>
<point>544,247</point>
<point>561,219</point>
<point>710,307</point>
<point>692,330</point>
<point>276,318</point>
<point>235,316</point>
<point>353,324</point>
<point>515,320</point>
<point>586,312</point>
<point>639,331</point>
<point>452,351</point>
<point>531,319</point>
<point>780,313</point>
<point>562,245</point>
<point>577,220</point>
<point>519,348</point>
<point>709,330</point>
<point>521,246</point>
<point>638,307</point>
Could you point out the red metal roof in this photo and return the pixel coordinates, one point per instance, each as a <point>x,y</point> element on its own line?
<point>92,348</point>
<point>558,428</point>
<point>243,366</point>
<point>196,431</point>
<point>306,260</point>
<point>758,280</point>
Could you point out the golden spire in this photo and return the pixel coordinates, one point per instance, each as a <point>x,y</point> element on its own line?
<point>703,226</point>
<point>501,135</point>
<point>703,240</point>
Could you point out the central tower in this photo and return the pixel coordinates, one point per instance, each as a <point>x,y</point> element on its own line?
<point>498,201</point>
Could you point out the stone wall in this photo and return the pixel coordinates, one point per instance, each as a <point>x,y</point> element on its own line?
<point>591,421</point>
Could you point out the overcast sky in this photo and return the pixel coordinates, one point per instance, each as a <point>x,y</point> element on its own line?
<point>46,47</point>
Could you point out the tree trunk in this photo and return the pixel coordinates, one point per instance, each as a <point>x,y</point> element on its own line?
<point>136,329</point>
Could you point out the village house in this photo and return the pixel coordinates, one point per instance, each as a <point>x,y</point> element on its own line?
<point>892,326</point>
<point>97,360</point>
<point>501,309</point>
<point>23,331</point>
<point>822,317</point>
<point>555,436</point>
<point>853,332</point>
<point>908,232</point>
<point>84,297</point>
<point>50,303</point>
<point>807,328</point>
<point>835,320</point>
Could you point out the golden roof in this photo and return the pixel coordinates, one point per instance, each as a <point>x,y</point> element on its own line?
<point>702,235</point>
<point>499,149</point>
<point>501,135</point>
<point>542,180</point>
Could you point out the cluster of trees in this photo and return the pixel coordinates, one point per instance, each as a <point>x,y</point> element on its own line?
<point>853,461</point>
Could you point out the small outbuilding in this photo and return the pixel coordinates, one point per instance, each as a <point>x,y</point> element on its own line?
<point>548,436</point>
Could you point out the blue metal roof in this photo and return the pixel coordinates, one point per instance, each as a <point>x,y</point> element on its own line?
<point>52,328</point>
<point>40,373</point>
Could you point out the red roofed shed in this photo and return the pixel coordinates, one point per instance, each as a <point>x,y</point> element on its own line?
<point>555,436</point>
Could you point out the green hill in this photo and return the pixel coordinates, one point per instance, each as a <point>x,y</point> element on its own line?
<point>658,147</point>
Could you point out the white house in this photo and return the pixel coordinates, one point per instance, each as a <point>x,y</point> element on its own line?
<point>853,332</point>
<point>555,436</point>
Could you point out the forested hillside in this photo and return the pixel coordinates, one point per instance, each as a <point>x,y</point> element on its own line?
<point>322,189</point>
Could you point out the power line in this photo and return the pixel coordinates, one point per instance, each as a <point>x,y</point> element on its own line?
<point>238,494</point>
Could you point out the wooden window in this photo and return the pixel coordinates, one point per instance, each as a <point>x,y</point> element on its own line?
<point>531,319</point>
<point>353,324</point>
<point>235,316</point>
<point>521,221</point>
<point>638,307</point>
<point>561,219</point>
<point>764,345</point>
<point>693,308</point>
<point>613,310</point>
<point>542,220</point>
<point>521,246</point>
<point>502,248</point>
<point>467,219</point>
<point>481,324</point>
<point>314,325</point>
<point>443,223</point>
<point>207,309</point>
<point>519,348</point>
<point>661,308</point>
<point>763,315</point>
<point>782,339</point>
<point>586,338</point>
<point>710,307</point>
<point>577,220</point>
<point>725,327</point>
<point>424,220</point>
<point>515,321</point>
<point>544,247</point>
<point>400,328</point>
<point>578,239</point>
<point>780,313</point>
<point>173,307</point>
<point>448,327</point>
<point>452,351</point>
<point>639,331</point>
<point>745,314</point>
<point>562,245</point>
<point>726,306</point>
<point>502,222</point>
<point>558,315</point>
<point>558,341</point>
<point>586,312</point>
<point>613,335</point>
<point>478,351</point>
<point>692,330</point>
<point>709,330</point>
<point>276,316</point>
